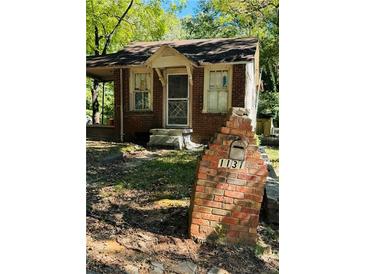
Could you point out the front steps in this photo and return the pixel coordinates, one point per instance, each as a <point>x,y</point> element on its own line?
<point>177,138</point>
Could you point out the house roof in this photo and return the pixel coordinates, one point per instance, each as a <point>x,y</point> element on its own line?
<point>220,50</point>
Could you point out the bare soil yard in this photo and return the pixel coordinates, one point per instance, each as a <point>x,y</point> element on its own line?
<point>137,217</point>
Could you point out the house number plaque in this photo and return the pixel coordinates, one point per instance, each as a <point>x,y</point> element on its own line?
<point>230,163</point>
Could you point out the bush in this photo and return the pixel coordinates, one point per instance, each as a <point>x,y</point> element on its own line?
<point>269,106</point>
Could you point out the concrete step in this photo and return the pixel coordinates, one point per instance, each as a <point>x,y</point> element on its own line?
<point>171,131</point>
<point>176,142</point>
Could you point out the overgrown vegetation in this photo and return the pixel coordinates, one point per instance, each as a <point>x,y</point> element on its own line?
<point>166,175</point>
<point>107,113</point>
<point>172,174</point>
<point>269,106</point>
<point>273,153</point>
<point>110,25</point>
<point>137,207</point>
<point>236,18</point>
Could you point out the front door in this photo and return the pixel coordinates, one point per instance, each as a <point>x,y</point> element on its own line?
<point>177,100</point>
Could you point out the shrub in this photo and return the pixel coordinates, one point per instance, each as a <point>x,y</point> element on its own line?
<point>269,106</point>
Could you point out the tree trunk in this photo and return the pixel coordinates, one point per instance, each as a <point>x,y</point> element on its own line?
<point>94,90</point>
<point>95,102</point>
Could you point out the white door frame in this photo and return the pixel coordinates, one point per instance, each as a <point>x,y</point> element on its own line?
<point>187,98</point>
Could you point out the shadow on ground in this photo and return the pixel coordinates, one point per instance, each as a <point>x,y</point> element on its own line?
<point>137,216</point>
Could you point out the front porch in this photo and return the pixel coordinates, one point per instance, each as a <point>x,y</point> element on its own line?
<point>150,99</point>
<point>105,125</point>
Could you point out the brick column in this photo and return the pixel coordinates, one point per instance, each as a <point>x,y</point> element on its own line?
<point>226,202</point>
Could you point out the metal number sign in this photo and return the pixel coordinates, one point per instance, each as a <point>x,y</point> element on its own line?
<point>229,163</point>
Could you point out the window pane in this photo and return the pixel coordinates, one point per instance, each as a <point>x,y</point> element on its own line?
<point>178,112</point>
<point>222,101</point>
<point>148,81</point>
<point>212,77</point>
<point>178,86</point>
<point>142,100</point>
<point>225,79</point>
<point>138,100</point>
<point>212,101</point>
<point>137,81</point>
<point>219,79</point>
<point>146,100</point>
<point>143,81</point>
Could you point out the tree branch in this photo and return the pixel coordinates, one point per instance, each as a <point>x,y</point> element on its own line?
<point>104,29</point>
<point>110,35</point>
<point>97,39</point>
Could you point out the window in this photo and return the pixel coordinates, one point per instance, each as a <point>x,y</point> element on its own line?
<point>141,91</point>
<point>217,89</point>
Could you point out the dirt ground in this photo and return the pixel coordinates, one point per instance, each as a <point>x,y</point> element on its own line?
<point>137,217</point>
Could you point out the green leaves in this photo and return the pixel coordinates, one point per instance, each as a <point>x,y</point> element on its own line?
<point>113,24</point>
<point>145,21</point>
<point>101,18</point>
<point>269,105</point>
<point>237,18</point>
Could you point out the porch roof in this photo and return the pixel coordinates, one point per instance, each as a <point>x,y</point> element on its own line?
<point>199,51</point>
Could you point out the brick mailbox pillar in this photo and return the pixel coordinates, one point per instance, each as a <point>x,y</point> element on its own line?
<point>229,186</point>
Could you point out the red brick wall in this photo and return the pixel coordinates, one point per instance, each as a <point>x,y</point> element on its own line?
<point>141,122</point>
<point>205,124</point>
<point>238,86</point>
<point>117,105</point>
<point>226,202</point>
<point>99,132</point>
<point>157,99</point>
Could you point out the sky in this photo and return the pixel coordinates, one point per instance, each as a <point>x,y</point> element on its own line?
<point>190,6</point>
<point>188,10</point>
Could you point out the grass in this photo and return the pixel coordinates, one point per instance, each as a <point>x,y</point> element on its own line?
<point>129,147</point>
<point>172,203</point>
<point>273,153</point>
<point>152,194</point>
<point>171,174</point>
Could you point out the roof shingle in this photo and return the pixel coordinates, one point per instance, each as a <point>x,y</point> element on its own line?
<point>220,50</point>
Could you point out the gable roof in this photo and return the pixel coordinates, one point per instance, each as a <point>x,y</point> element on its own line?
<point>199,51</point>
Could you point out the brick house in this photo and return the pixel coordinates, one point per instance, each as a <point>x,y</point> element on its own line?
<point>186,85</point>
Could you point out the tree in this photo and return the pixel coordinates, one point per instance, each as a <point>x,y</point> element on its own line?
<point>209,22</point>
<point>103,20</point>
<point>269,106</point>
<point>259,18</point>
<point>112,24</point>
<point>235,18</point>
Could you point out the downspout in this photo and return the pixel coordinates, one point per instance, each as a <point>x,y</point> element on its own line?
<point>121,104</point>
<point>102,105</point>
